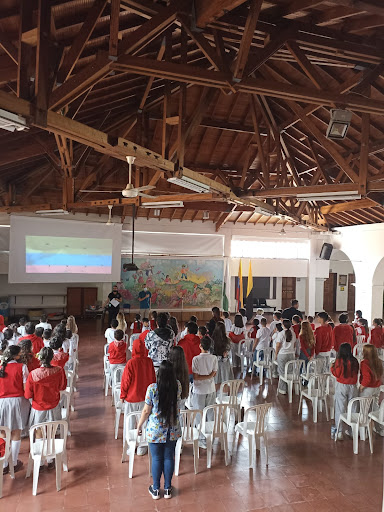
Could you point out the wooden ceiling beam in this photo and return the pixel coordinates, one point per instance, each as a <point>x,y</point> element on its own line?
<point>114,27</point>
<point>223,218</point>
<point>359,204</point>
<point>216,79</point>
<point>293,191</point>
<point>309,69</point>
<point>280,11</point>
<point>247,37</point>
<point>9,48</point>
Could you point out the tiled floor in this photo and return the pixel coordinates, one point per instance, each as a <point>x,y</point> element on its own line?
<point>307,471</point>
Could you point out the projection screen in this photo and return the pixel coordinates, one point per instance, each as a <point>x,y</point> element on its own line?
<point>60,251</point>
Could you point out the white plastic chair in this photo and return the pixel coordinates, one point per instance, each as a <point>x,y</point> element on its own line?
<point>234,396</point>
<point>6,434</point>
<point>48,447</point>
<point>216,429</point>
<point>65,401</point>
<point>331,388</point>
<point>118,410</point>
<point>132,440</point>
<point>237,351</point>
<point>318,366</point>
<point>255,428</point>
<point>117,375</point>
<point>292,376</point>
<point>316,393</point>
<point>357,351</point>
<point>190,432</point>
<point>70,386</point>
<point>107,374</point>
<point>360,339</point>
<point>132,339</point>
<point>376,416</point>
<point>263,363</point>
<point>357,420</point>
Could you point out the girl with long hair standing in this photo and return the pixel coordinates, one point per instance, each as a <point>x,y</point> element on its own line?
<point>14,408</point>
<point>162,409</point>
<point>221,349</point>
<point>307,341</point>
<point>285,351</point>
<point>371,372</point>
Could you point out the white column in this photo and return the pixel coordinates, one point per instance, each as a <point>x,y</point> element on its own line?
<point>364,289</point>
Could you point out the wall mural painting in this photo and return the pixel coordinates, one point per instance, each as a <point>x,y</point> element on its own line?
<point>174,283</point>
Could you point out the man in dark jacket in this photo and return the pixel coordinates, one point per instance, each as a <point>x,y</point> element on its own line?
<point>293,310</point>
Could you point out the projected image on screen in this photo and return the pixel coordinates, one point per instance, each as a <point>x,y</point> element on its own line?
<point>58,255</point>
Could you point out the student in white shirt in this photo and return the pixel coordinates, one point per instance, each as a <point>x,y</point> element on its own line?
<point>47,335</point>
<point>275,336</point>
<point>244,316</point>
<point>276,320</point>
<point>184,332</point>
<point>43,323</point>
<point>259,314</point>
<point>109,334</point>
<point>21,328</point>
<point>227,322</point>
<point>262,340</point>
<point>204,368</point>
<point>285,351</point>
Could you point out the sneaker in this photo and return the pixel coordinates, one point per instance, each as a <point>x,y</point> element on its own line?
<point>18,466</point>
<point>340,436</point>
<point>168,493</point>
<point>51,465</point>
<point>333,432</point>
<point>348,433</point>
<point>282,392</point>
<point>6,470</point>
<point>154,492</point>
<point>141,450</point>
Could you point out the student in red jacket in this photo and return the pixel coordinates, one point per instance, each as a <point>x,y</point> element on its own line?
<point>43,387</point>
<point>138,374</point>
<point>27,356</point>
<point>377,334</point>
<point>14,408</point>
<point>137,325</point>
<point>323,336</point>
<point>191,346</point>
<point>60,358</point>
<point>117,350</point>
<point>296,321</point>
<point>343,333</point>
<point>345,369</point>
<point>255,327</point>
<point>310,320</point>
<point>371,372</point>
<point>362,329</point>
<point>144,332</point>
<point>37,341</point>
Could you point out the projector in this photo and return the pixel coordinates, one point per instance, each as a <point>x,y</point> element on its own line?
<point>130,267</point>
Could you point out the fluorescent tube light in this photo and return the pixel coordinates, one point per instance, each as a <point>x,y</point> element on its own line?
<point>264,211</point>
<point>52,212</point>
<point>332,196</point>
<point>163,204</point>
<point>12,122</point>
<point>190,184</point>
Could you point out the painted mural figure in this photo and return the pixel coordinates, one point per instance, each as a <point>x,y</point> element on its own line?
<point>184,270</point>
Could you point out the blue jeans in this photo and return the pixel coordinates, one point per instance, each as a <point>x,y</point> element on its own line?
<point>163,461</point>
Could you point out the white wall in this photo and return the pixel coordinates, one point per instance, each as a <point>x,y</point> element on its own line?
<point>340,264</point>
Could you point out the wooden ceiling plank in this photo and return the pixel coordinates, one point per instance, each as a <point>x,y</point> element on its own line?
<point>25,51</point>
<point>160,55</point>
<point>256,125</point>
<point>81,39</point>
<point>292,7</point>
<point>9,48</point>
<point>114,27</point>
<point>368,78</point>
<point>364,160</point>
<point>208,11</point>
<point>293,191</point>
<point>224,218</point>
<point>247,37</point>
<point>359,204</point>
<point>309,69</point>
<point>42,55</point>
<point>318,163</point>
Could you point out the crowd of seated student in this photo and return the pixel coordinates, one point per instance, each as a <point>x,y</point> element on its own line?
<point>32,376</point>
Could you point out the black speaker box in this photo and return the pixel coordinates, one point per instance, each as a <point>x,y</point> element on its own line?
<point>326,252</point>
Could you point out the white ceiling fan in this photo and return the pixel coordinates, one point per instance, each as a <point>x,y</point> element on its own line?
<point>129,190</point>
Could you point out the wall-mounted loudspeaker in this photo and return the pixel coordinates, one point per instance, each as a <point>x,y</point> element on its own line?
<point>326,252</point>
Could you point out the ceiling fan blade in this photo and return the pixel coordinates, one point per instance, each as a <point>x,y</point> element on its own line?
<point>102,191</point>
<point>145,187</point>
<point>145,195</point>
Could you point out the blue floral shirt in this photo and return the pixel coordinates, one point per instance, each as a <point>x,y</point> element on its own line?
<point>156,431</point>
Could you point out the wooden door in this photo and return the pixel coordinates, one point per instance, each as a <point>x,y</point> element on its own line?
<point>329,299</point>
<point>288,291</point>
<point>351,293</point>
<point>74,301</point>
<point>89,297</point>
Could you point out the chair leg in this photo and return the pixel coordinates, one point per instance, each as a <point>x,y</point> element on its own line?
<point>265,437</point>
<point>124,454</point>
<point>36,471</point>
<point>261,375</point>
<point>196,455</point>
<point>226,450</point>
<point>300,403</point>
<point>326,408</point>
<point>117,422</point>
<point>59,465</point>
<point>337,430</point>
<point>131,456</point>
<point>250,450</point>
<point>11,467</point>
<point>29,466</point>
<point>315,405</point>
<point>370,428</point>
<point>209,451</point>
<point>355,433</point>
<point>290,391</point>
<point>1,483</point>
<point>177,456</point>
<point>278,386</point>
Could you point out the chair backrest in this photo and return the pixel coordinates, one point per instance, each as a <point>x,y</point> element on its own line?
<point>116,394</point>
<point>48,432</point>
<point>381,412</point>
<point>257,415</point>
<point>266,358</point>
<point>363,405</point>
<point>70,380</point>
<point>318,366</point>
<point>131,434</point>
<point>117,375</point>
<point>190,422</point>
<point>234,387</point>
<point>106,364</point>
<point>106,349</point>
<point>294,368</point>
<point>360,339</point>
<point>6,435</point>
<point>220,415</point>
<point>132,339</point>
<point>66,404</point>
<point>358,350</point>
<point>319,383</point>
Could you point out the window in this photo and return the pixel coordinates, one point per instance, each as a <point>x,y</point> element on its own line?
<point>260,249</point>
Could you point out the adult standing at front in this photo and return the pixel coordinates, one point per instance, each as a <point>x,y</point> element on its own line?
<point>162,410</point>
<point>145,301</point>
<point>113,304</point>
<point>288,313</point>
<point>213,321</point>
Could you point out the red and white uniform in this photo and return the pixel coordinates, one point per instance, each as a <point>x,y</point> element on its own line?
<point>296,329</point>
<point>377,337</point>
<point>313,327</point>
<point>136,327</point>
<point>191,346</point>
<point>37,342</point>
<point>44,386</point>
<point>33,363</point>
<point>342,333</point>
<point>323,337</point>
<point>142,337</point>
<point>338,371</point>
<point>253,332</point>
<point>60,358</point>
<point>138,374</point>
<point>360,331</point>
<point>12,385</point>
<point>367,378</point>
<point>153,324</point>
